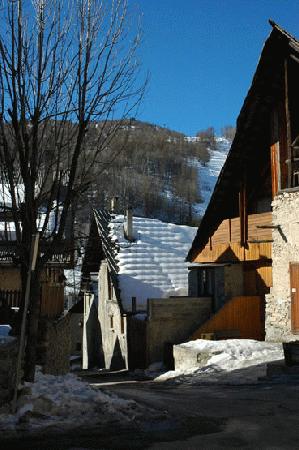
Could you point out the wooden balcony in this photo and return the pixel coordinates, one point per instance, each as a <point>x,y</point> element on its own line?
<point>225,244</point>
<point>63,256</point>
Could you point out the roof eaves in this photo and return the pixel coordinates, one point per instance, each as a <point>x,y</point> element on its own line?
<point>209,224</point>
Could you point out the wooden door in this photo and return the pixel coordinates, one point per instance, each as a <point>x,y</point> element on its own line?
<point>294,275</point>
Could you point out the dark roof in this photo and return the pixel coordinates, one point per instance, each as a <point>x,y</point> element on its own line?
<point>245,151</point>
<point>110,248</point>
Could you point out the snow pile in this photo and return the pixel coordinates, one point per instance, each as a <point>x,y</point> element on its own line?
<point>4,334</point>
<point>153,266</point>
<point>73,278</point>
<point>208,173</point>
<point>231,361</point>
<point>4,330</point>
<point>64,402</point>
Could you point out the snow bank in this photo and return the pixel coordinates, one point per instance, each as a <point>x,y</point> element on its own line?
<point>236,361</point>
<point>4,330</point>
<point>4,334</point>
<point>64,402</point>
<point>153,266</point>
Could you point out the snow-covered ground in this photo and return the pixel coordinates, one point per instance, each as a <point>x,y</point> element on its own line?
<point>4,330</point>
<point>64,402</point>
<point>153,266</point>
<point>4,334</point>
<point>231,361</point>
<point>208,173</point>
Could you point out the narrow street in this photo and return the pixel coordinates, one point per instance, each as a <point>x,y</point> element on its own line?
<point>261,416</point>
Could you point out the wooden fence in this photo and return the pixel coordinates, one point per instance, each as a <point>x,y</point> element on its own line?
<point>12,299</point>
<point>241,317</point>
<point>52,299</point>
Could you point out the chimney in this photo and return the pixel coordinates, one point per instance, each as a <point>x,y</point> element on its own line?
<point>128,226</point>
<point>113,204</point>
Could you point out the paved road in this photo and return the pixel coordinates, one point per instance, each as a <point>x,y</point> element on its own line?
<point>262,416</point>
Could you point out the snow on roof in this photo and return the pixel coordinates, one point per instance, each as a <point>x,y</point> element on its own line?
<point>153,266</point>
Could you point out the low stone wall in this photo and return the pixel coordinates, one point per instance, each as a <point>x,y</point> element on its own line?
<point>8,358</point>
<point>187,357</point>
<point>172,321</point>
<point>285,219</point>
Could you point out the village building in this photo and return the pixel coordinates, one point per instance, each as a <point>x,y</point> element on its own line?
<point>140,307</point>
<point>247,246</point>
<point>54,328</point>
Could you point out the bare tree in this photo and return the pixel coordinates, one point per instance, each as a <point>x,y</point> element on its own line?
<point>66,70</point>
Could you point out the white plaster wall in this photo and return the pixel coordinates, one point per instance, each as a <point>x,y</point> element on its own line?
<point>86,348</point>
<point>285,250</point>
<point>114,341</point>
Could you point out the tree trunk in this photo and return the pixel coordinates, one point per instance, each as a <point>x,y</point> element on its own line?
<point>32,334</point>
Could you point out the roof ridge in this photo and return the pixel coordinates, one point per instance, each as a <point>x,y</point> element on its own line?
<point>282,30</point>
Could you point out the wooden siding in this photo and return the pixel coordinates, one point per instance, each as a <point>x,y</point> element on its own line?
<point>235,252</point>
<point>257,278</point>
<point>225,244</point>
<point>245,315</point>
<point>294,278</point>
<point>52,300</point>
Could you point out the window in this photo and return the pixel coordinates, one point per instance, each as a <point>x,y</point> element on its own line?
<point>205,282</point>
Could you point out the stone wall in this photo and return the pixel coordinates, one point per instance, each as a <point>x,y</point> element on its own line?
<point>10,278</point>
<point>285,250</point>
<point>8,358</point>
<point>55,345</point>
<point>173,320</point>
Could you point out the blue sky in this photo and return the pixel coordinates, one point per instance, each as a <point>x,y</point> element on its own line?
<point>202,54</point>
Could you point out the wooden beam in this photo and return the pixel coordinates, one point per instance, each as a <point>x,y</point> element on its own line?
<point>274,168</point>
<point>243,213</point>
<point>288,122</point>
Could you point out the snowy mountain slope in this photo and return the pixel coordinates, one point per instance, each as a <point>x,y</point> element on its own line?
<point>209,172</point>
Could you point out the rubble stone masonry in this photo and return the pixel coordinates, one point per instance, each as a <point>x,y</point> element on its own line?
<point>8,358</point>
<point>285,250</point>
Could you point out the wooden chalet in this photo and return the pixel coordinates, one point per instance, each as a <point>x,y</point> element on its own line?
<point>52,281</point>
<point>232,251</point>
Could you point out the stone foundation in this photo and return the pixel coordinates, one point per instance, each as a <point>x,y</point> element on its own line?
<point>56,345</point>
<point>285,250</point>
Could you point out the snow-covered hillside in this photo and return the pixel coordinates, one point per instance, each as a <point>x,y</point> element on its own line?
<point>209,172</point>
